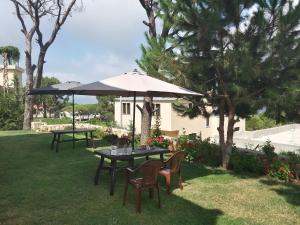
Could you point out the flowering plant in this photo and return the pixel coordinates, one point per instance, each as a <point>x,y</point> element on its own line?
<point>281,171</point>
<point>158,141</point>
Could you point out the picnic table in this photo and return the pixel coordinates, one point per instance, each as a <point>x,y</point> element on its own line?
<point>122,154</point>
<point>58,134</point>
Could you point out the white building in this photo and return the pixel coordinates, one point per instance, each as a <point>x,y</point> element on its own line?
<point>12,72</point>
<point>170,119</point>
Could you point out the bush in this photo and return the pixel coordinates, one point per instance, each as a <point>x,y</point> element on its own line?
<point>110,138</point>
<point>50,121</point>
<point>293,158</point>
<point>158,141</point>
<point>269,150</point>
<point>242,162</point>
<point>259,121</point>
<point>199,150</point>
<point>99,133</point>
<point>281,171</point>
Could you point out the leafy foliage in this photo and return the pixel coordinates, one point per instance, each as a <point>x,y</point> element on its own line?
<point>105,107</point>
<point>13,53</point>
<point>259,121</point>
<point>197,150</point>
<point>11,110</point>
<point>240,54</point>
<point>158,141</point>
<point>50,121</point>
<point>243,162</point>
<point>50,103</point>
<point>281,170</point>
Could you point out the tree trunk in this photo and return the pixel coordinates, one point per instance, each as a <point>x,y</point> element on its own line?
<point>44,110</point>
<point>221,128</point>
<point>40,69</point>
<point>227,148</point>
<point>28,108</point>
<point>147,106</point>
<point>146,120</point>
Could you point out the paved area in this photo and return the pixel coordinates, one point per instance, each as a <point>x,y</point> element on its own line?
<point>291,137</point>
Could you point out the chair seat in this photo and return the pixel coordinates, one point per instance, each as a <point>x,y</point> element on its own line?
<point>137,182</point>
<point>164,172</point>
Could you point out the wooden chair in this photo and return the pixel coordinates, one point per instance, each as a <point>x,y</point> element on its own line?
<point>148,180</point>
<point>172,166</point>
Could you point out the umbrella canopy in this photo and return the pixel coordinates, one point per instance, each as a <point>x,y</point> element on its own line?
<point>59,89</point>
<point>134,83</point>
<point>56,89</point>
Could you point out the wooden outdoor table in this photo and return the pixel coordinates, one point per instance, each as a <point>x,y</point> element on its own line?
<point>57,137</point>
<point>122,155</point>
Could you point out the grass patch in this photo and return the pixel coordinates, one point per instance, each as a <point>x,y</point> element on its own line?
<point>39,186</point>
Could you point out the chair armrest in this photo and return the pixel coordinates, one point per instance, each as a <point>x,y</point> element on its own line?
<point>130,170</point>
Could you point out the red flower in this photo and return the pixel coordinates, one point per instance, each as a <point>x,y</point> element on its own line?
<point>290,175</point>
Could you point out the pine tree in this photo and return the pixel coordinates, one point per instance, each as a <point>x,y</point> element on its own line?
<point>239,54</point>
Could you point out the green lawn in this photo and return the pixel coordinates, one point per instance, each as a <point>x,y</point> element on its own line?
<point>39,186</point>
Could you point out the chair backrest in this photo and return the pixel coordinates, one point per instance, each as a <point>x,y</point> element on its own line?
<point>175,161</point>
<point>149,171</point>
<point>122,142</point>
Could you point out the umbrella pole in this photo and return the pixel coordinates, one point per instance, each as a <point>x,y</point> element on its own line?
<point>73,121</point>
<point>133,121</point>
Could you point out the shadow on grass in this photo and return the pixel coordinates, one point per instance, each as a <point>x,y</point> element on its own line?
<point>39,186</point>
<point>290,192</point>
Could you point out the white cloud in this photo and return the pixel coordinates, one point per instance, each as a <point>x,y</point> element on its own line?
<point>90,67</point>
<point>110,24</point>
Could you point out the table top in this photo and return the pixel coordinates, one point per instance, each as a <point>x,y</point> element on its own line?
<point>71,131</point>
<point>126,153</point>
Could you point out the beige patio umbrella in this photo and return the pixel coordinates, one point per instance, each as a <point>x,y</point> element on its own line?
<point>134,84</point>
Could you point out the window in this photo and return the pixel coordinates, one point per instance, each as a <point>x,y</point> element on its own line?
<point>190,105</point>
<point>207,121</point>
<point>126,108</point>
<point>157,110</point>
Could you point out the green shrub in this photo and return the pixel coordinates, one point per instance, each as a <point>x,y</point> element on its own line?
<point>281,170</point>
<point>99,133</point>
<point>199,150</point>
<point>259,121</point>
<point>51,121</point>
<point>269,150</point>
<point>110,138</point>
<point>158,141</point>
<point>292,157</point>
<point>244,162</point>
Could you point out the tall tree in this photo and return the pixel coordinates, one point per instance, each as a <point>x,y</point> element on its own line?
<point>105,107</point>
<point>239,54</point>
<point>30,13</point>
<point>146,63</point>
<point>50,103</point>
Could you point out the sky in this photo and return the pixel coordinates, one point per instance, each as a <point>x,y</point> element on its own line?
<point>101,41</point>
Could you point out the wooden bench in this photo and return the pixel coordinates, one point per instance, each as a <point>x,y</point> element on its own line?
<point>57,137</point>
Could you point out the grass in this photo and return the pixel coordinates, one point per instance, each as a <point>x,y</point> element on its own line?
<point>38,186</point>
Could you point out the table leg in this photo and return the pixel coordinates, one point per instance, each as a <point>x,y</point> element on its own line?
<point>53,140</point>
<point>57,142</point>
<point>162,157</point>
<point>92,139</point>
<point>113,165</point>
<point>96,180</point>
<point>131,163</point>
<point>86,139</point>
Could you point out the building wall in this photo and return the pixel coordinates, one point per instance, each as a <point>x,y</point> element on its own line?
<point>171,120</point>
<point>13,70</point>
<point>124,121</point>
